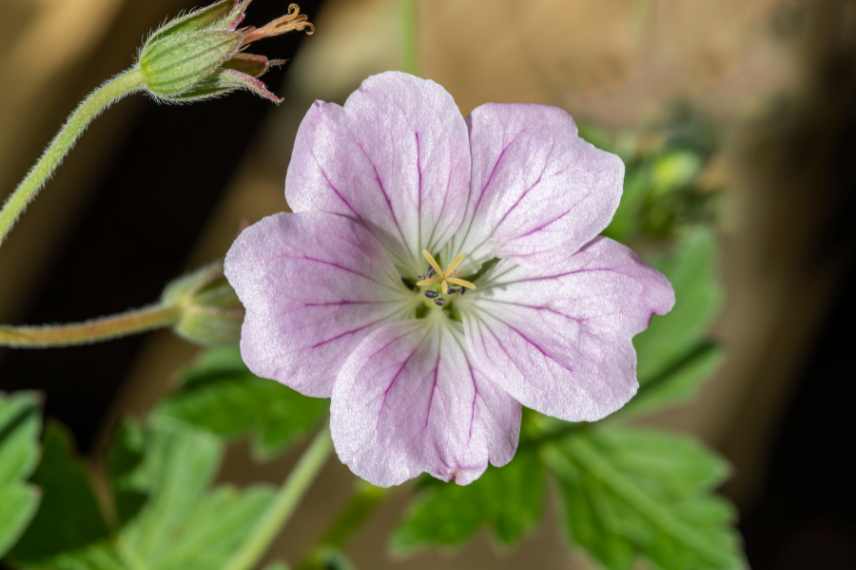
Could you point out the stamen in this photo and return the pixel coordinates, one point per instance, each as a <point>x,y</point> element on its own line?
<point>291,22</point>
<point>436,275</point>
<point>431,261</point>
<point>456,262</point>
<point>461,282</point>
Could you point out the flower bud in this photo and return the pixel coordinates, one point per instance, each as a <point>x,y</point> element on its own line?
<point>211,313</point>
<point>201,55</point>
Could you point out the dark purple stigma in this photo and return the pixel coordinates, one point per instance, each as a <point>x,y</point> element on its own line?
<point>432,294</point>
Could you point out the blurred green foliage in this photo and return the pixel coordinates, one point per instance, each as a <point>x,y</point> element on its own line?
<point>161,513</point>
<point>20,422</point>
<point>219,395</point>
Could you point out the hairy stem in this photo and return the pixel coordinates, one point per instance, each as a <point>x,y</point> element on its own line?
<point>284,503</point>
<point>362,505</point>
<point>113,90</point>
<point>88,332</point>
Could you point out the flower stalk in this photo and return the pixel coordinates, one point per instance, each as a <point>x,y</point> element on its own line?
<point>284,504</point>
<point>97,102</point>
<point>88,332</point>
<point>200,307</point>
<point>194,57</point>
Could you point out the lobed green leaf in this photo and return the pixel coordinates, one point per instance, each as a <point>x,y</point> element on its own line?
<point>20,422</point>
<point>219,395</point>
<point>509,500</point>
<point>692,270</point>
<point>633,494</point>
<point>166,515</point>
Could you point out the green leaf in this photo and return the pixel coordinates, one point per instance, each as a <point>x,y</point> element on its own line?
<point>692,270</point>
<point>633,494</point>
<point>509,500</point>
<point>678,383</point>
<point>19,452</point>
<point>69,519</point>
<point>221,396</point>
<point>627,221</point>
<point>179,524</point>
<point>167,517</point>
<point>674,354</point>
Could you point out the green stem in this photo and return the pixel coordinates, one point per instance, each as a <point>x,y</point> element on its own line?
<point>362,505</point>
<point>113,90</point>
<point>88,332</point>
<point>284,503</point>
<point>409,37</point>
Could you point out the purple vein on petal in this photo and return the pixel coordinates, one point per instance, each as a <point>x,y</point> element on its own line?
<point>476,394</point>
<point>484,187</point>
<point>350,331</point>
<point>544,308</point>
<point>430,242</point>
<point>419,191</point>
<point>529,341</point>
<point>334,188</point>
<point>554,276</point>
<point>398,373</point>
<point>383,191</point>
<point>337,265</point>
<point>343,302</point>
<point>436,373</point>
<point>483,326</point>
<point>519,200</point>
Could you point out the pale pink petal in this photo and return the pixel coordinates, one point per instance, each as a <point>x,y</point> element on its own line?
<point>409,400</point>
<point>556,333</point>
<point>314,285</point>
<point>536,185</point>
<point>396,157</point>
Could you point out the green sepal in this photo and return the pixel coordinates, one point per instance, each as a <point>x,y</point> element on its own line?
<point>219,14</point>
<point>222,83</point>
<point>176,63</point>
<point>211,314</point>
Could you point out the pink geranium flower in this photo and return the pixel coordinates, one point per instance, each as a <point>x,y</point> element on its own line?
<point>439,272</point>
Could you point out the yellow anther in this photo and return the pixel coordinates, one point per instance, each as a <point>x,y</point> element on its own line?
<point>444,276</point>
<point>454,265</point>
<point>461,282</point>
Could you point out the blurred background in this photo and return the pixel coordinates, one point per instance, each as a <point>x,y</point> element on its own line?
<point>768,85</point>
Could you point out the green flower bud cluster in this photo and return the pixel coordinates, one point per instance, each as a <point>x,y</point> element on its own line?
<point>201,55</point>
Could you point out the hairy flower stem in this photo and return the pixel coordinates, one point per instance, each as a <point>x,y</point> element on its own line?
<point>284,503</point>
<point>106,328</point>
<point>113,90</point>
<point>364,502</point>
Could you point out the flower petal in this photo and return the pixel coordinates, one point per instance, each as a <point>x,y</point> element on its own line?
<point>556,335</point>
<point>536,185</point>
<point>409,400</point>
<point>396,157</point>
<point>313,285</point>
